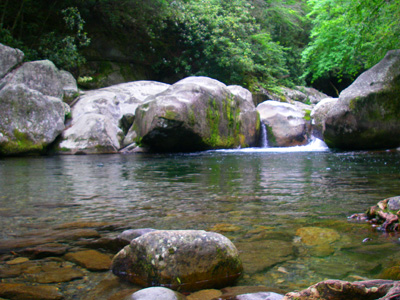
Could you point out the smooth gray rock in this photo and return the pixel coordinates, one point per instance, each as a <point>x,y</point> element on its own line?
<point>196,113</point>
<point>286,124</point>
<point>156,293</point>
<point>394,203</point>
<point>260,296</point>
<point>9,58</point>
<point>130,234</point>
<point>100,117</point>
<point>42,76</point>
<point>187,260</point>
<point>319,115</point>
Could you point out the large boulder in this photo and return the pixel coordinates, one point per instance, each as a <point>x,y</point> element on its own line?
<point>197,113</point>
<point>32,112</point>
<point>287,125</point>
<point>367,114</point>
<point>9,59</point>
<point>187,260</point>
<point>101,118</point>
<point>29,120</point>
<point>44,77</point>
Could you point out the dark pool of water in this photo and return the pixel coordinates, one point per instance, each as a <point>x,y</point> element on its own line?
<point>258,199</point>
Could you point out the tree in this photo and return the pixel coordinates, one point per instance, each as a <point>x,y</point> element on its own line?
<point>349,36</point>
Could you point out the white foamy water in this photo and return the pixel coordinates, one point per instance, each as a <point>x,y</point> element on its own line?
<point>316,145</point>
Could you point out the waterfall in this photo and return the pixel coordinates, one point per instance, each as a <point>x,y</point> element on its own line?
<point>263,136</point>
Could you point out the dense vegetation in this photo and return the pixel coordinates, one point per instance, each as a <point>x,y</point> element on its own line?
<point>255,43</point>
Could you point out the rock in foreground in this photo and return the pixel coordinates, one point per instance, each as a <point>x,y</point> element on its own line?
<point>185,259</point>
<point>337,289</point>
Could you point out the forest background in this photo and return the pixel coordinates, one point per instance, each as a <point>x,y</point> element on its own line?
<point>259,44</point>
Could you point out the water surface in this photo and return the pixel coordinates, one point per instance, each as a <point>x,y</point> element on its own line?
<point>258,198</point>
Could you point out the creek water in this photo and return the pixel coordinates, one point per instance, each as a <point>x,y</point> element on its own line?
<point>258,198</point>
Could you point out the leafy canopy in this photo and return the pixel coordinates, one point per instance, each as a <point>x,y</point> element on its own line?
<point>349,36</point>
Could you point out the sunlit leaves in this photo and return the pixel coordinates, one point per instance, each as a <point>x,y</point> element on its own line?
<point>349,36</point>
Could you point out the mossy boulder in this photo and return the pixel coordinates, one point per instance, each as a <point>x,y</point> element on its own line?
<point>187,260</point>
<point>194,114</point>
<point>367,114</point>
<point>29,120</point>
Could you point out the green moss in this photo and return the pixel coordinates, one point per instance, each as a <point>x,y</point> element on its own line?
<point>307,115</point>
<point>271,136</point>
<point>170,115</point>
<point>21,144</point>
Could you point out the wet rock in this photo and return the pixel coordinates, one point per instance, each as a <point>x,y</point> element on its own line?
<point>185,259</point>
<point>386,213</point>
<point>43,251</point>
<point>204,295</point>
<point>90,259</point>
<point>337,289</point>
<point>286,124</point>
<point>111,288</point>
<point>18,260</point>
<point>223,227</point>
<point>56,275</point>
<point>260,255</point>
<point>109,244</point>
<point>20,291</point>
<point>394,203</point>
<point>313,236</point>
<point>390,273</point>
<point>233,292</point>
<point>259,296</point>
<point>82,224</point>
<point>45,237</point>
<point>130,234</point>
<point>156,293</point>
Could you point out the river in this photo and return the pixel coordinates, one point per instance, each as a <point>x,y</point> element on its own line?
<point>258,198</point>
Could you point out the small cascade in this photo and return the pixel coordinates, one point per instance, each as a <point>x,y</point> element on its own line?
<point>263,136</point>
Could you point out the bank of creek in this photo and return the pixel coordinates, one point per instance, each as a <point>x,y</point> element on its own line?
<point>262,200</point>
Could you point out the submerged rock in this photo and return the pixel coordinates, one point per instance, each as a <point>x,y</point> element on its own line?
<point>337,289</point>
<point>90,259</point>
<point>367,114</point>
<point>197,113</point>
<point>21,291</point>
<point>185,259</point>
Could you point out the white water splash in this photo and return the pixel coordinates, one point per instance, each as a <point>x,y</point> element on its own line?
<point>316,145</point>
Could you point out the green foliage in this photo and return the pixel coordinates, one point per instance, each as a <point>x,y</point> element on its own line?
<point>44,31</point>
<point>224,40</point>
<point>349,36</point>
